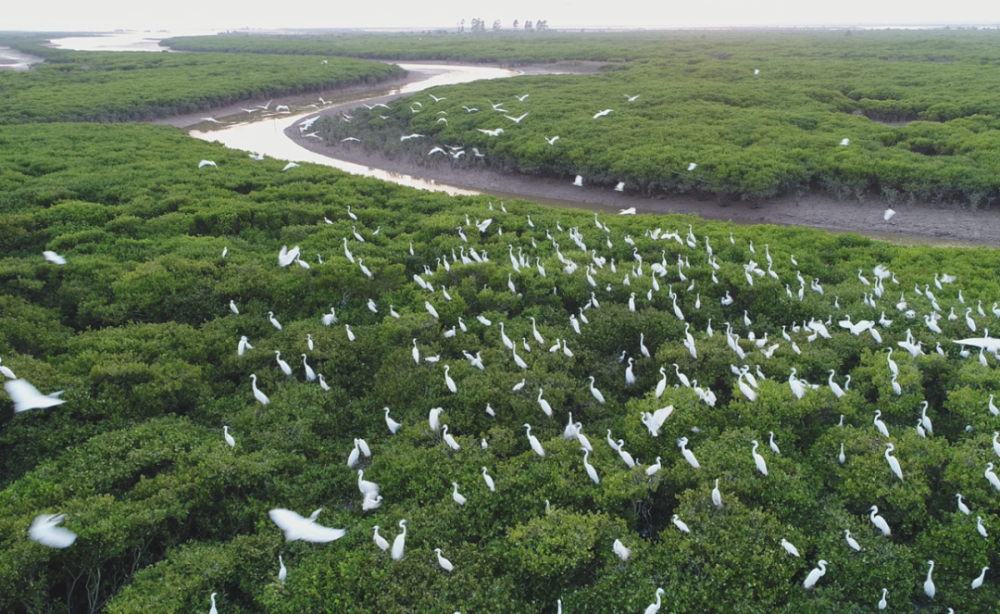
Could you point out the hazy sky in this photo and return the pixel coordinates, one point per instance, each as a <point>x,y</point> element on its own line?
<point>74,15</point>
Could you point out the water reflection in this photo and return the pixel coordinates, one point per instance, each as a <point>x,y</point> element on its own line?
<point>123,41</point>
<point>267,136</point>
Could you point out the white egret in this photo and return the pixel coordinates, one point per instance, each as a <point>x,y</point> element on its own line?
<point>591,472</point>
<point>350,333</point>
<point>877,421</point>
<point>26,396</point>
<point>330,318</point>
<point>716,495</point>
<point>459,499</point>
<point>399,543</point>
<point>655,420</point>
<point>815,575</point>
<point>979,581</point>
<point>893,461</point>
<point>594,391</point>
<point>879,521</point>
<point>546,408</point>
<point>365,486</point>
<point>980,527</point>
<point>535,445</point>
<point>392,424</point>
<point>841,458</point>
<point>443,562</point>
<point>518,386</point>
<point>992,477</point>
<point>448,439</point>
<point>489,481</point>
<point>620,549</point>
<point>380,541</point>
<point>260,396</point>
<point>625,456</point>
<point>310,374</point>
<point>688,454</point>
<point>229,438</point>
<point>798,389</point>
<point>44,531</point>
<point>655,607</point>
<point>929,588</point>
<point>680,524</point>
<point>962,507</point>
<point>298,528</point>
<point>773,445</point>
<point>274,321</point>
<point>654,468</point>
<point>213,610</point>
<point>450,383</point>
<point>758,459</point>
<point>282,571</point>
<point>789,547</point>
<point>882,603</point>
<point>851,542</point>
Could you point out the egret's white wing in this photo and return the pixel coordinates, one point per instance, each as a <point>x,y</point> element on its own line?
<point>44,531</point>
<point>298,528</point>
<point>26,396</point>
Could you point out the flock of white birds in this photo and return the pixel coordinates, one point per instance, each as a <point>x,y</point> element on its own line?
<point>649,275</point>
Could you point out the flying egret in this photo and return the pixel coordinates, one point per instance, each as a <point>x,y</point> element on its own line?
<point>655,420</point>
<point>55,258</point>
<point>26,396</point>
<point>298,528</point>
<point>44,531</point>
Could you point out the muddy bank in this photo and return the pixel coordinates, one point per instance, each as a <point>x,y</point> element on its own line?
<point>946,226</point>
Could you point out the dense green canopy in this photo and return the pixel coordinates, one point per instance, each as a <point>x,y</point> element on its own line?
<point>137,329</point>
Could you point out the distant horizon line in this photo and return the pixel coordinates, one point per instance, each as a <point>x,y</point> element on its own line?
<point>554,29</point>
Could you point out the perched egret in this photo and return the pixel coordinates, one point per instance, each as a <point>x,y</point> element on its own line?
<point>399,543</point>
<point>459,499</point>
<point>620,549</point>
<point>815,575</point>
<point>789,547</point>
<point>758,459</point>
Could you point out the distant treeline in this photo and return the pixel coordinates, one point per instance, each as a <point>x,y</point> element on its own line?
<point>137,86</point>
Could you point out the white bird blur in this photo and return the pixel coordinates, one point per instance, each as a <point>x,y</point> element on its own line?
<point>54,258</point>
<point>305,529</point>
<point>44,531</point>
<point>26,396</point>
